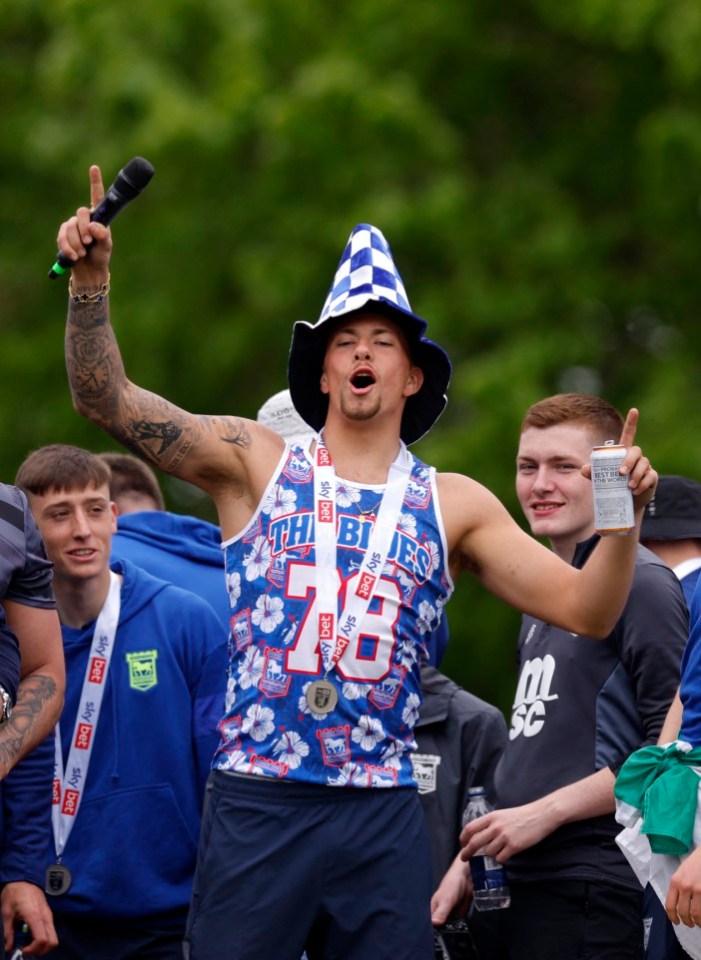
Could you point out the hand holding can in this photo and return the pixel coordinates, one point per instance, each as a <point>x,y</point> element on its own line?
<point>615,509</point>
<point>613,499</point>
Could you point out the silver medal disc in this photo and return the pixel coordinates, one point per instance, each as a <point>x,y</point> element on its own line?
<point>322,696</point>
<point>57,880</point>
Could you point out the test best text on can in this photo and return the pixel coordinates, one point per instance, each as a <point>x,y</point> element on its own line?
<point>613,499</point>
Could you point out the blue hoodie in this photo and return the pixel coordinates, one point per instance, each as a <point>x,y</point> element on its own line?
<point>132,849</point>
<point>181,549</point>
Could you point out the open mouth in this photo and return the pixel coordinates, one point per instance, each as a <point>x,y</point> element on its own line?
<point>362,380</point>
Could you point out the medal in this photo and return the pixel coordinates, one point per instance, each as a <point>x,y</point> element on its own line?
<point>58,879</point>
<point>322,696</point>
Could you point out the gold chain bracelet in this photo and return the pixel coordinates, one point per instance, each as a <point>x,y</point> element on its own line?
<point>97,296</point>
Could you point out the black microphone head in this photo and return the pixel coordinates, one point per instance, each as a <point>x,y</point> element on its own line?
<point>132,179</point>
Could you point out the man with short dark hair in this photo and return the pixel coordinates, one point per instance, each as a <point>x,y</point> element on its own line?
<point>133,485</point>
<point>340,557</point>
<point>177,547</point>
<point>146,668</point>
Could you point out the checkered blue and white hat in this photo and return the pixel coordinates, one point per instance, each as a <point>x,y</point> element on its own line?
<point>367,274</point>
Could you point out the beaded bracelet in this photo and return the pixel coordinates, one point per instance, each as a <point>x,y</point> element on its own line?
<point>97,296</point>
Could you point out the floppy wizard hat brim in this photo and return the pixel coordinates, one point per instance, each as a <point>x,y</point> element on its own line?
<point>367,275</point>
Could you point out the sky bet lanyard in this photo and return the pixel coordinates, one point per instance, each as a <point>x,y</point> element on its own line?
<point>69,782</point>
<point>322,695</point>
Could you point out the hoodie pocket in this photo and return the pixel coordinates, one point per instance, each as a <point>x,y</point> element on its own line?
<point>131,853</point>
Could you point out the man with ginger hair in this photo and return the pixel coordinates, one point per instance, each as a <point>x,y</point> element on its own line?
<point>581,707</point>
<point>334,585</point>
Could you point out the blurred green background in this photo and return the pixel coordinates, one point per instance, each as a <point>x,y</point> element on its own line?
<point>536,167</point>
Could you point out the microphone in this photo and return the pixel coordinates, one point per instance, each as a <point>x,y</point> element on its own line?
<point>128,184</point>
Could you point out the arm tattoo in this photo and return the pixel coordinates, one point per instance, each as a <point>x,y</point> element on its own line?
<point>95,369</point>
<point>19,734</point>
<point>164,433</point>
<point>234,431</point>
<point>148,425</point>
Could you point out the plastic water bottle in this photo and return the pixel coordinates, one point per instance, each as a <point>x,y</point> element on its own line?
<point>22,938</point>
<point>491,890</point>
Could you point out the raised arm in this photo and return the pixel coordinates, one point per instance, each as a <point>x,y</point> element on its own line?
<point>209,451</point>
<point>484,539</point>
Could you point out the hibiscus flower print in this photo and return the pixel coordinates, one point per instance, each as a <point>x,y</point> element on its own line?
<point>392,755</point>
<point>434,550</point>
<point>259,722</point>
<point>257,562</point>
<point>291,749</point>
<point>230,698</point>
<point>427,617</point>
<point>354,691</point>
<point>350,775</point>
<point>410,713</point>
<point>250,669</point>
<point>268,613</point>
<point>233,586</point>
<point>368,733</point>
<point>407,524</point>
<point>346,495</point>
<point>279,502</point>
<point>407,653</point>
<point>236,760</point>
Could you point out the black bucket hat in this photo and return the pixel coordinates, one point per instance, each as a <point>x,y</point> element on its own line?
<point>674,513</point>
<point>367,274</point>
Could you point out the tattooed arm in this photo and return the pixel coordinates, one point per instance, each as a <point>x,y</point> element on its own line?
<point>208,451</point>
<point>150,426</point>
<point>41,689</point>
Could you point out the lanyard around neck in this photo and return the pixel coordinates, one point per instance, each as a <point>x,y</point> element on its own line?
<point>69,783</point>
<point>334,640</point>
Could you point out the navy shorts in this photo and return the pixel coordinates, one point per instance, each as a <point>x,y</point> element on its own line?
<point>284,867</point>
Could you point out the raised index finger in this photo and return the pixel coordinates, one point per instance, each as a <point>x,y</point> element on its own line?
<point>629,428</point>
<point>97,190</point>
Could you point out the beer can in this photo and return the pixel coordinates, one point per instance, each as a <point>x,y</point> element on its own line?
<point>613,498</point>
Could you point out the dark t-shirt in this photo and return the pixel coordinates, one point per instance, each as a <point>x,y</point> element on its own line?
<point>25,575</point>
<point>583,704</point>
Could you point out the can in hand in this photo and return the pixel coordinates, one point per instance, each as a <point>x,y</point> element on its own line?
<point>613,499</point>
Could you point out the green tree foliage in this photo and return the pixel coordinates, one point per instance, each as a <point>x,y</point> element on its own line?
<point>535,166</point>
